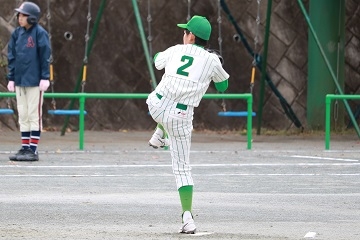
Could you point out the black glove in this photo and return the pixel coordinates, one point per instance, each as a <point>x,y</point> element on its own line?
<point>216,52</point>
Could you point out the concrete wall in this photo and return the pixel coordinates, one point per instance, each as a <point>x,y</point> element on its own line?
<point>117,62</point>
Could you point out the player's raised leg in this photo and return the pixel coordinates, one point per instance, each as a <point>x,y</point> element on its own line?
<point>159,138</point>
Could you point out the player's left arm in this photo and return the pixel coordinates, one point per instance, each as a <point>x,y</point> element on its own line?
<point>44,51</point>
<point>161,58</point>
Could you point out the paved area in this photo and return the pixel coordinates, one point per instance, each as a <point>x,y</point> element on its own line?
<point>285,187</point>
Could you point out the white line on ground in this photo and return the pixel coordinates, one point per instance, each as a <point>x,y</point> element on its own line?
<point>192,151</point>
<point>116,152</point>
<point>326,158</point>
<point>201,234</point>
<point>194,165</point>
<point>169,175</point>
<point>87,175</point>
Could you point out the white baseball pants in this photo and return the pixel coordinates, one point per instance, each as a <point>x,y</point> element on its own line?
<point>178,125</point>
<point>29,105</point>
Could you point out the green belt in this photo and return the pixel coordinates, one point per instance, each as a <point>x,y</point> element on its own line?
<point>179,105</point>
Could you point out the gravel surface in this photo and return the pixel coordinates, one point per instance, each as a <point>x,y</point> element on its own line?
<point>285,187</point>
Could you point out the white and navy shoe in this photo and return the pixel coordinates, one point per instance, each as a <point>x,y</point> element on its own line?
<point>188,226</point>
<point>157,141</point>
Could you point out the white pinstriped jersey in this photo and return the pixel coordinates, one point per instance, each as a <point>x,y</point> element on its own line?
<point>189,69</point>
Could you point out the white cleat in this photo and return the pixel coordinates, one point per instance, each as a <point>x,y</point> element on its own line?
<point>157,141</point>
<point>188,226</point>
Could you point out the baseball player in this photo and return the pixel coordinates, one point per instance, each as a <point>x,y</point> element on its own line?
<point>189,69</point>
<point>28,58</point>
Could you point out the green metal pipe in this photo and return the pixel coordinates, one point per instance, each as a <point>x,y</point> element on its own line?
<point>145,46</point>
<point>7,94</point>
<point>331,36</point>
<point>81,122</point>
<point>344,96</point>
<point>83,96</point>
<point>328,99</point>
<point>246,96</point>
<point>263,67</point>
<point>327,122</point>
<point>88,51</point>
<point>329,66</point>
<point>249,121</point>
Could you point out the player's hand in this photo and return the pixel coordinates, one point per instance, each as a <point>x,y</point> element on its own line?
<point>11,86</point>
<point>44,85</point>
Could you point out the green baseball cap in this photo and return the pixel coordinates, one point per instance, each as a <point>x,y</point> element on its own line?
<point>199,26</point>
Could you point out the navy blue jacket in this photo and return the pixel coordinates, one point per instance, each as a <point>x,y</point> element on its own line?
<point>29,56</point>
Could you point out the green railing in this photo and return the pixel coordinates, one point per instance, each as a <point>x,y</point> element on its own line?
<point>83,96</point>
<point>328,99</point>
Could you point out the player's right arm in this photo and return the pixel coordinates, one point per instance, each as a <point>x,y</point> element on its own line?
<point>222,86</point>
<point>220,76</point>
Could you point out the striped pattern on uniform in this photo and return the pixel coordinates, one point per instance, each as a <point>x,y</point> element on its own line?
<point>189,69</point>
<point>178,125</point>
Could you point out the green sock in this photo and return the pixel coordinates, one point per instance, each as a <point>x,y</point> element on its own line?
<point>162,128</point>
<point>186,194</point>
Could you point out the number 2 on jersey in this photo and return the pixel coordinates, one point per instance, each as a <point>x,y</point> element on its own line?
<point>188,62</point>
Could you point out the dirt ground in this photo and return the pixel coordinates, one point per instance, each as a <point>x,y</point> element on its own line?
<point>285,187</point>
